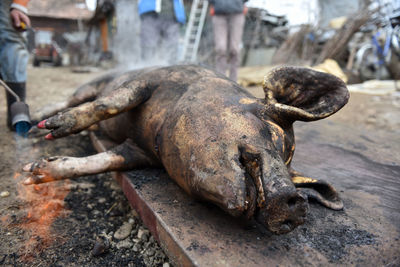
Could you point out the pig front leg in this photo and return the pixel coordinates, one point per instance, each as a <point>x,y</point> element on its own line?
<point>123,157</point>
<point>319,190</point>
<point>84,93</point>
<point>81,117</point>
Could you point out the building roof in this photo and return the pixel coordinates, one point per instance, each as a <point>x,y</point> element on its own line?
<point>63,9</point>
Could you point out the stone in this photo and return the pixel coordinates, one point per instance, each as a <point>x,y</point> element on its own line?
<point>136,240</point>
<point>124,231</point>
<point>5,194</point>
<point>150,252</point>
<point>143,234</point>
<point>102,200</point>
<point>135,214</point>
<point>96,212</point>
<point>101,246</point>
<point>136,248</point>
<point>124,244</point>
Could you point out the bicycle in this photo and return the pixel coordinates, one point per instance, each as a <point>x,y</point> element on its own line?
<point>375,58</point>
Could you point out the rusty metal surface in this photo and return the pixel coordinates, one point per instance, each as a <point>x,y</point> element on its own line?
<point>364,167</point>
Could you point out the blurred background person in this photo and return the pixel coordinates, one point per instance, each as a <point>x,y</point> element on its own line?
<point>160,29</point>
<point>228,17</point>
<point>13,49</point>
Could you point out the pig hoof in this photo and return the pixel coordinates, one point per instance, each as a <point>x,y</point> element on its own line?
<point>49,137</point>
<point>45,170</point>
<point>41,125</point>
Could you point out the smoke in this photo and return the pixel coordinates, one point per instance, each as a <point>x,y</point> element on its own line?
<point>127,40</point>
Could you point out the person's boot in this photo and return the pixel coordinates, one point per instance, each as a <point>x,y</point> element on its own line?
<point>20,90</point>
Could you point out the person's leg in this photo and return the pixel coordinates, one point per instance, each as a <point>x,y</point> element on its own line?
<point>13,58</point>
<point>220,27</point>
<point>149,36</point>
<point>236,24</point>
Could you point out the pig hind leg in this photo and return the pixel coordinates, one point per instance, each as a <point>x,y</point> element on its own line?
<point>126,156</point>
<point>318,190</point>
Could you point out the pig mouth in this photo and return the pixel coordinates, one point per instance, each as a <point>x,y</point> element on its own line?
<point>280,211</point>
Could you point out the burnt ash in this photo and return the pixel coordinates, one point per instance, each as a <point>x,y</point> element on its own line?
<point>333,240</point>
<point>147,176</point>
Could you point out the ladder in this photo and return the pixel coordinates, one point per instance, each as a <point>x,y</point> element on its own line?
<point>194,29</point>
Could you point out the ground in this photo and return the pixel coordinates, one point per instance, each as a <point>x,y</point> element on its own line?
<point>64,224</point>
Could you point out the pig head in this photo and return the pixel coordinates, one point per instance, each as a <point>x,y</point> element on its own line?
<point>222,145</point>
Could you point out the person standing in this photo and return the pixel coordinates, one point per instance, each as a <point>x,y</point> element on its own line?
<point>160,26</point>
<point>228,17</point>
<point>13,49</point>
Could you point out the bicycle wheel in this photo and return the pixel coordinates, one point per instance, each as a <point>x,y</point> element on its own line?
<point>368,65</point>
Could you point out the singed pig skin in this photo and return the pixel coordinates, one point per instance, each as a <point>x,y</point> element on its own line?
<point>214,139</point>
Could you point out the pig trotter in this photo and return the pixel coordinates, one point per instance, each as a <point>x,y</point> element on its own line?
<point>43,170</point>
<point>49,136</point>
<point>41,125</point>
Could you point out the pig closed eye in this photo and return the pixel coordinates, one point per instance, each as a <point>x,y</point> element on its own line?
<point>251,164</point>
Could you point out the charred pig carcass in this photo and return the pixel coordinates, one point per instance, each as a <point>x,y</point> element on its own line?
<point>214,139</point>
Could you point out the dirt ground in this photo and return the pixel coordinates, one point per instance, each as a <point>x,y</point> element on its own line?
<point>64,224</point>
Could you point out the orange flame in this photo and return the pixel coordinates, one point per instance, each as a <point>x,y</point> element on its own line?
<point>16,175</point>
<point>4,219</point>
<point>43,203</point>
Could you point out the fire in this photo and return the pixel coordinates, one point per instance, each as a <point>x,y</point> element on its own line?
<point>16,175</point>
<point>44,203</point>
<point>4,219</point>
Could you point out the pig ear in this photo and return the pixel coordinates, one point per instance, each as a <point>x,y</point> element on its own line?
<point>319,190</point>
<point>294,93</point>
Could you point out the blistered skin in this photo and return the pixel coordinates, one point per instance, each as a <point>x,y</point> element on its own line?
<point>215,140</point>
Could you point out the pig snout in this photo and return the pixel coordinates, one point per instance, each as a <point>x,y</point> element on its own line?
<point>284,211</point>
<point>274,200</point>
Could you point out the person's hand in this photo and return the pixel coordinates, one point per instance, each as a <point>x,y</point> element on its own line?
<point>212,11</point>
<point>17,16</point>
